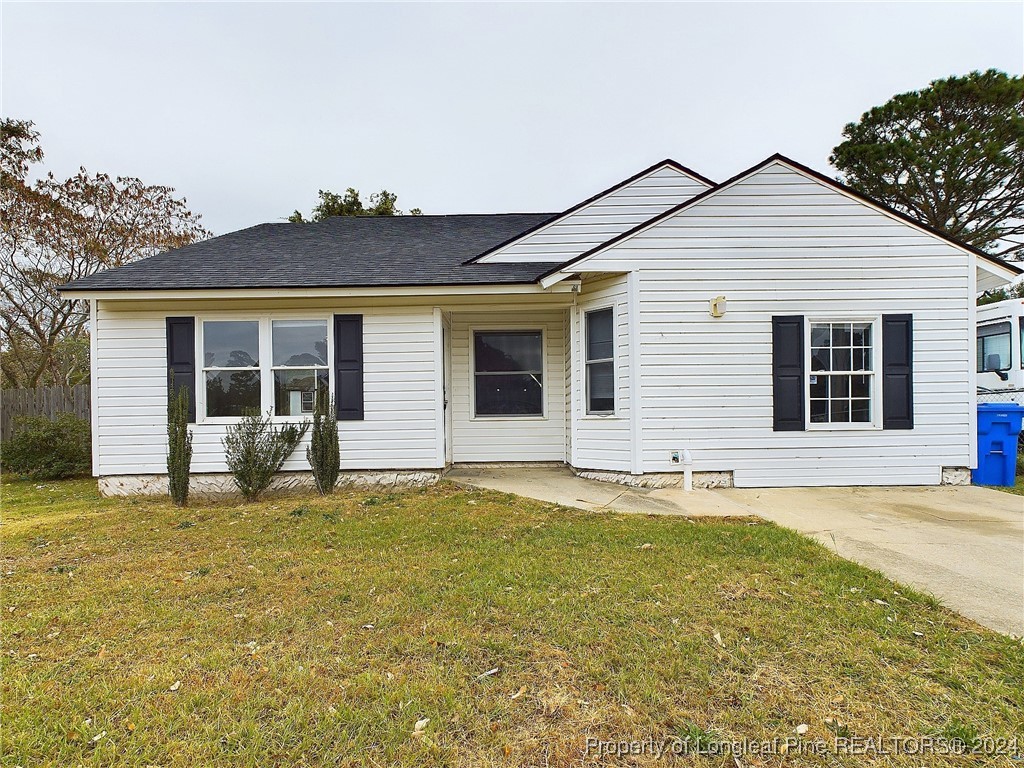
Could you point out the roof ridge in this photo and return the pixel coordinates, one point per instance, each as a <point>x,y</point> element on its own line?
<point>407,216</point>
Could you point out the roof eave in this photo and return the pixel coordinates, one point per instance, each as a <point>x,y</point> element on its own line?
<point>440,289</point>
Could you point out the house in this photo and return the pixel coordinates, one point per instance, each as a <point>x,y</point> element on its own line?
<point>776,329</point>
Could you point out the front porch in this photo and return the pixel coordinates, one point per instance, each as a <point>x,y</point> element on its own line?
<point>507,386</point>
<point>543,380</point>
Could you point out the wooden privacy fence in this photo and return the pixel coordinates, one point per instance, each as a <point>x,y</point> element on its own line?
<point>41,401</point>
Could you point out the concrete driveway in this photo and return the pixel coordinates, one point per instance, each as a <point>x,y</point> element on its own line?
<point>964,545</point>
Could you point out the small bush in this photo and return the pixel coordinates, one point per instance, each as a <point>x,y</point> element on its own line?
<point>255,450</point>
<point>323,454</point>
<point>49,450</point>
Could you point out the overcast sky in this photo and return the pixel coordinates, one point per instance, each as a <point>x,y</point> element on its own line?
<point>247,109</point>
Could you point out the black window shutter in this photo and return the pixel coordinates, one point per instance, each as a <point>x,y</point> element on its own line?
<point>181,359</point>
<point>788,373</point>
<point>348,367</point>
<point>897,372</point>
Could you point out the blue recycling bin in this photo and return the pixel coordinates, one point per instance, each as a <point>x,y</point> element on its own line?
<point>998,430</point>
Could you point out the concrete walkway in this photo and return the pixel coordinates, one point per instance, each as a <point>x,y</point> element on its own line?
<point>560,486</point>
<point>965,545</point>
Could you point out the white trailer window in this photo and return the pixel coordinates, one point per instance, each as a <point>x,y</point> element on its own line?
<point>994,347</point>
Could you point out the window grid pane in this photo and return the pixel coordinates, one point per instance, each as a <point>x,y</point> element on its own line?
<point>600,332</point>
<point>601,387</point>
<point>231,344</point>
<point>295,390</point>
<point>841,373</point>
<point>232,393</point>
<point>508,352</point>
<point>299,343</point>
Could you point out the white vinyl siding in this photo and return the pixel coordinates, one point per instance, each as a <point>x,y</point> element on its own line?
<point>508,438</point>
<point>603,219</point>
<point>779,243</point>
<point>602,441</point>
<point>130,380</point>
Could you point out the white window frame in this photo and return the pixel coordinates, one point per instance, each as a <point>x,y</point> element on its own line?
<point>545,382</point>
<point>315,368</point>
<point>1009,351</point>
<point>586,364</point>
<point>266,368</point>
<point>875,391</point>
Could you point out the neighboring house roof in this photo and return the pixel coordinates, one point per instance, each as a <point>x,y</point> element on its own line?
<point>606,214</point>
<point>800,167</point>
<point>342,251</point>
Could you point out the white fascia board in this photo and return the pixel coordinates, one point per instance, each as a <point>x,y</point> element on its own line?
<point>285,293</point>
<point>551,281</point>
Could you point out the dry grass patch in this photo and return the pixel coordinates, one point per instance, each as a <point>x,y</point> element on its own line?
<point>308,631</point>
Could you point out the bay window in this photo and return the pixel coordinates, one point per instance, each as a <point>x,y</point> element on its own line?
<point>508,373</point>
<point>841,374</point>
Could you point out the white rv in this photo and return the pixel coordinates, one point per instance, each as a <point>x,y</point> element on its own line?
<point>1001,348</point>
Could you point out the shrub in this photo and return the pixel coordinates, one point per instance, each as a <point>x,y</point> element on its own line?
<point>255,450</point>
<point>179,446</point>
<point>49,450</point>
<point>323,454</point>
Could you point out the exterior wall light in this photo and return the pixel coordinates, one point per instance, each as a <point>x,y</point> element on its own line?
<point>717,306</point>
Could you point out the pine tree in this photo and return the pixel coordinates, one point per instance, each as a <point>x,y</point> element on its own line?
<point>179,445</point>
<point>324,453</point>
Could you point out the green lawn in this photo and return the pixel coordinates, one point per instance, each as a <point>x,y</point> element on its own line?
<point>308,631</point>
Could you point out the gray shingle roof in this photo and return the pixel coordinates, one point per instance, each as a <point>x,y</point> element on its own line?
<point>341,252</point>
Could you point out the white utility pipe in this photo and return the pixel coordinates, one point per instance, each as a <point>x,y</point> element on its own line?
<point>687,470</point>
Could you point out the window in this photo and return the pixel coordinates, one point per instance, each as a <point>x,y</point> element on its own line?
<point>841,373</point>
<point>600,337</point>
<point>299,364</point>
<point>994,347</point>
<point>231,366</point>
<point>508,373</point>
<point>259,365</point>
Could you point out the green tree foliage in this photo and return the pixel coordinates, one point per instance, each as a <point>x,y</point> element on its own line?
<point>324,454</point>
<point>255,450</point>
<point>49,450</point>
<point>382,203</point>
<point>52,232</point>
<point>1002,294</point>
<point>179,445</point>
<point>950,155</point>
